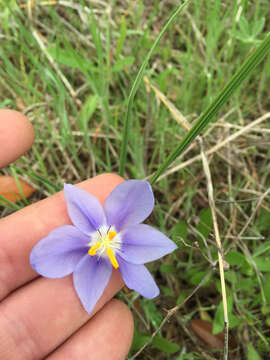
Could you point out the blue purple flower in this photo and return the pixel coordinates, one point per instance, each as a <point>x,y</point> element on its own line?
<point>103,238</point>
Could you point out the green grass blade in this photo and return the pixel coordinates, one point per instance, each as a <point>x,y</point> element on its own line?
<point>127,122</point>
<point>6,203</point>
<point>252,61</point>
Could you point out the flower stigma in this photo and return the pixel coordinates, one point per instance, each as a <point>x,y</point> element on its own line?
<point>105,242</point>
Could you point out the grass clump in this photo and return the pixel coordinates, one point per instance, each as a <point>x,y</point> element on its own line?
<point>70,66</point>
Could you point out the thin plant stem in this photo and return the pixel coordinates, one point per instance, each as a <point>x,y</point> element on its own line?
<point>219,245</point>
<point>127,122</point>
<point>171,312</point>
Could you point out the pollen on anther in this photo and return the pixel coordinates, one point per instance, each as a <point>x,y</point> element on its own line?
<point>92,251</point>
<point>112,258</point>
<point>111,235</point>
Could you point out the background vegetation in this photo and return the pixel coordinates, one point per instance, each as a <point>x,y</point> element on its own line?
<point>69,66</point>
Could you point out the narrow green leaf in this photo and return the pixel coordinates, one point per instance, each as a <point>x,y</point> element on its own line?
<point>244,25</point>
<point>65,57</point>
<point>258,26</point>
<point>127,122</point>
<point>198,276</point>
<point>165,345</point>
<point>179,231</point>
<point>266,289</point>
<point>263,220</point>
<point>252,61</point>
<point>167,291</point>
<point>122,63</point>
<point>6,203</point>
<point>153,316</point>
<point>262,263</point>
<point>252,353</point>
<point>168,268</point>
<point>19,186</point>
<point>235,258</point>
<point>205,225</point>
<point>262,248</point>
<point>139,339</point>
<point>122,37</point>
<point>159,342</point>
<point>218,324</point>
<point>89,107</point>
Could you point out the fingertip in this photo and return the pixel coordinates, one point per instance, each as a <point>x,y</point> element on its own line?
<point>126,317</point>
<point>121,319</point>
<point>119,329</point>
<point>16,135</point>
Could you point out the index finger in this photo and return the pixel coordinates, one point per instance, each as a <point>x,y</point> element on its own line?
<point>16,135</point>
<point>20,231</point>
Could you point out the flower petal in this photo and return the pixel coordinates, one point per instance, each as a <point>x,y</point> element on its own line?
<point>138,278</point>
<point>130,203</point>
<point>58,254</point>
<point>90,278</point>
<point>142,243</point>
<point>85,211</point>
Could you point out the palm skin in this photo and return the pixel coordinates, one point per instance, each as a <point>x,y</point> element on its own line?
<point>43,318</point>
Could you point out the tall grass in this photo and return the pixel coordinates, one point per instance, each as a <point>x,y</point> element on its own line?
<point>72,68</point>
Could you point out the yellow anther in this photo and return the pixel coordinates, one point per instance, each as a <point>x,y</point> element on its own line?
<point>112,258</point>
<point>92,251</point>
<point>111,235</point>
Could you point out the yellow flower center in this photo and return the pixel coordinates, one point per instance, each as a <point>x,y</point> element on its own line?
<point>105,243</point>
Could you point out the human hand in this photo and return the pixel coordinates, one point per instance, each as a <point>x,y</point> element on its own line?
<point>39,317</point>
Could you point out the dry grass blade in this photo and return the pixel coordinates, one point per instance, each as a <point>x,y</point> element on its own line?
<point>219,246</point>
<point>244,130</point>
<point>38,38</point>
<point>34,3</point>
<point>180,118</point>
<point>182,121</point>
